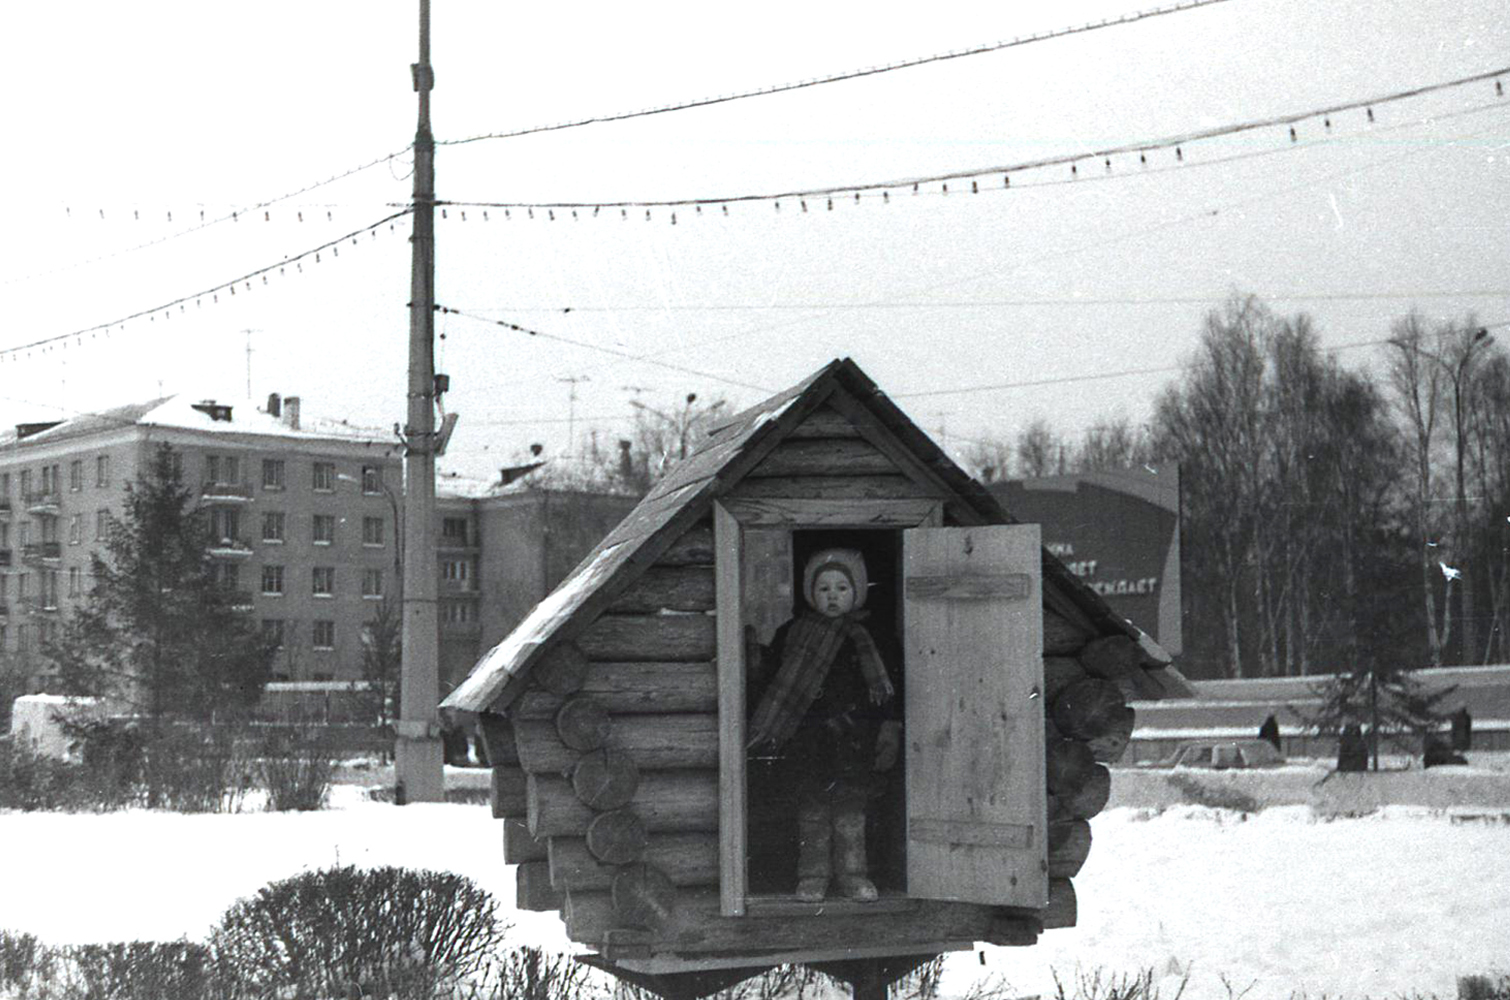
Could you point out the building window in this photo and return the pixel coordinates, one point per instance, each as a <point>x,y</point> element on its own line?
<point>272,580</point>
<point>75,580</point>
<point>372,479</point>
<point>325,477</point>
<point>456,569</point>
<point>4,485</point>
<point>372,583</point>
<point>272,526</point>
<point>454,530</point>
<point>75,529</point>
<point>223,469</point>
<point>102,470</point>
<point>49,478</point>
<point>101,525</point>
<point>227,575</point>
<point>225,524</point>
<point>76,475</point>
<point>324,634</point>
<point>457,612</point>
<point>324,581</point>
<point>25,483</point>
<point>372,531</point>
<point>273,632</point>
<point>324,529</point>
<point>272,473</point>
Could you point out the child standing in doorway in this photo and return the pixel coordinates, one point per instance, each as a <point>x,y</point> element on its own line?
<point>832,709</point>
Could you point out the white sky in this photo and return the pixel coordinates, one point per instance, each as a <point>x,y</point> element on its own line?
<point>181,107</point>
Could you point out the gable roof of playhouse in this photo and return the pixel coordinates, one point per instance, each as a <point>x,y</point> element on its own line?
<point>687,493</point>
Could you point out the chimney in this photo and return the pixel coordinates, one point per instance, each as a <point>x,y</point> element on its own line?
<point>274,404</point>
<point>291,412</point>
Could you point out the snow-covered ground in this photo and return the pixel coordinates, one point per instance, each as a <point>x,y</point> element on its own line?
<point>1399,901</point>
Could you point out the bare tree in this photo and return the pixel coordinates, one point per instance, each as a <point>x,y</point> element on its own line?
<point>1041,451</point>
<point>1111,444</point>
<point>989,458</point>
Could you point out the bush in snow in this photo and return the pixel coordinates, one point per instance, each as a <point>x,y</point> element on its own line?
<point>138,970</point>
<point>531,974</point>
<point>332,932</point>
<point>295,769</point>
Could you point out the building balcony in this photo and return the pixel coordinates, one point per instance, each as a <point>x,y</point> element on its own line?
<point>458,588</point>
<point>240,600</point>
<point>227,492</point>
<point>42,553</point>
<point>40,605</point>
<point>44,501</point>
<point>4,610</point>
<point>5,558</point>
<point>5,508</point>
<point>460,630</point>
<point>230,548</point>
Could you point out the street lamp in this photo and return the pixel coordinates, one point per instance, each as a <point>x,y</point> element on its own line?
<point>1481,338</point>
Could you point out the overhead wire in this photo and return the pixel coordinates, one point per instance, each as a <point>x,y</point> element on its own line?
<point>838,77</point>
<point>1124,237</point>
<point>213,289</point>
<point>626,355</point>
<point>234,214</point>
<point>1182,300</point>
<point>1142,148</point>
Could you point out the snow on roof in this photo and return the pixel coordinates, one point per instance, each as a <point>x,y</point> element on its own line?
<point>179,412</point>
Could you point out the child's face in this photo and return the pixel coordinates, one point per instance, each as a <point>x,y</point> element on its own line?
<point>832,593</point>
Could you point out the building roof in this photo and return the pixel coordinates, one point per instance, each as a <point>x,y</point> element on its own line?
<point>180,413</point>
<point>685,496</point>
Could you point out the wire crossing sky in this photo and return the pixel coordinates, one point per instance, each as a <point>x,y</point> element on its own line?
<point>1024,297</point>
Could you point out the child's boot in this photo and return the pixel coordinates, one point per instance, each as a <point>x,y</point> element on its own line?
<point>814,843</point>
<point>849,851</point>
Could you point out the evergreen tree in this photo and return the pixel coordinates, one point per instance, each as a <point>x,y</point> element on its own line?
<point>157,631</point>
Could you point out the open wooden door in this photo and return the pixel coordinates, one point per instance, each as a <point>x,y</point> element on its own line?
<point>973,624</point>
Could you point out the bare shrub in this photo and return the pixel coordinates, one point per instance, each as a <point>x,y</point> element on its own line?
<point>295,769</point>
<point>342,930</point>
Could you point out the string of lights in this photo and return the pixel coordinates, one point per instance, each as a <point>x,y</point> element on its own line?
<point>1127,236</point>
<point>235,215</point>
<point>1020,40</point>
<point>1105,158</point>
<point>627,355</point>
<point>165,309</point>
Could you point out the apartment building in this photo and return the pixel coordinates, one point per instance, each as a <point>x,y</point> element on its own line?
<point>502,546</point>
<point>303,515</point>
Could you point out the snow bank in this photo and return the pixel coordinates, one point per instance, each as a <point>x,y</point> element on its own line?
<point>35,717</point>
<point>1320,788</point>
<point>1399,901</point>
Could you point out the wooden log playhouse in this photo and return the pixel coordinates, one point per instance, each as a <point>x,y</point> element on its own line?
<point>615,715</point>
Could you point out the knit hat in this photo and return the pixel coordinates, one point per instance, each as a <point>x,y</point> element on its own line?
<point>848,561</point>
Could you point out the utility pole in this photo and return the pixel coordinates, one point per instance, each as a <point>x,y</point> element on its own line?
<point>417,755</point>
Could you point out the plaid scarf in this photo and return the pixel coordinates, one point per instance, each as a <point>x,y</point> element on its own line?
<point>812,643</point>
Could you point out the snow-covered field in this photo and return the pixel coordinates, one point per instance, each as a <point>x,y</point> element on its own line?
<point>1403,900</point>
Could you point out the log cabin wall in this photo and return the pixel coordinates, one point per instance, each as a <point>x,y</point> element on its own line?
<point>606,767</point>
